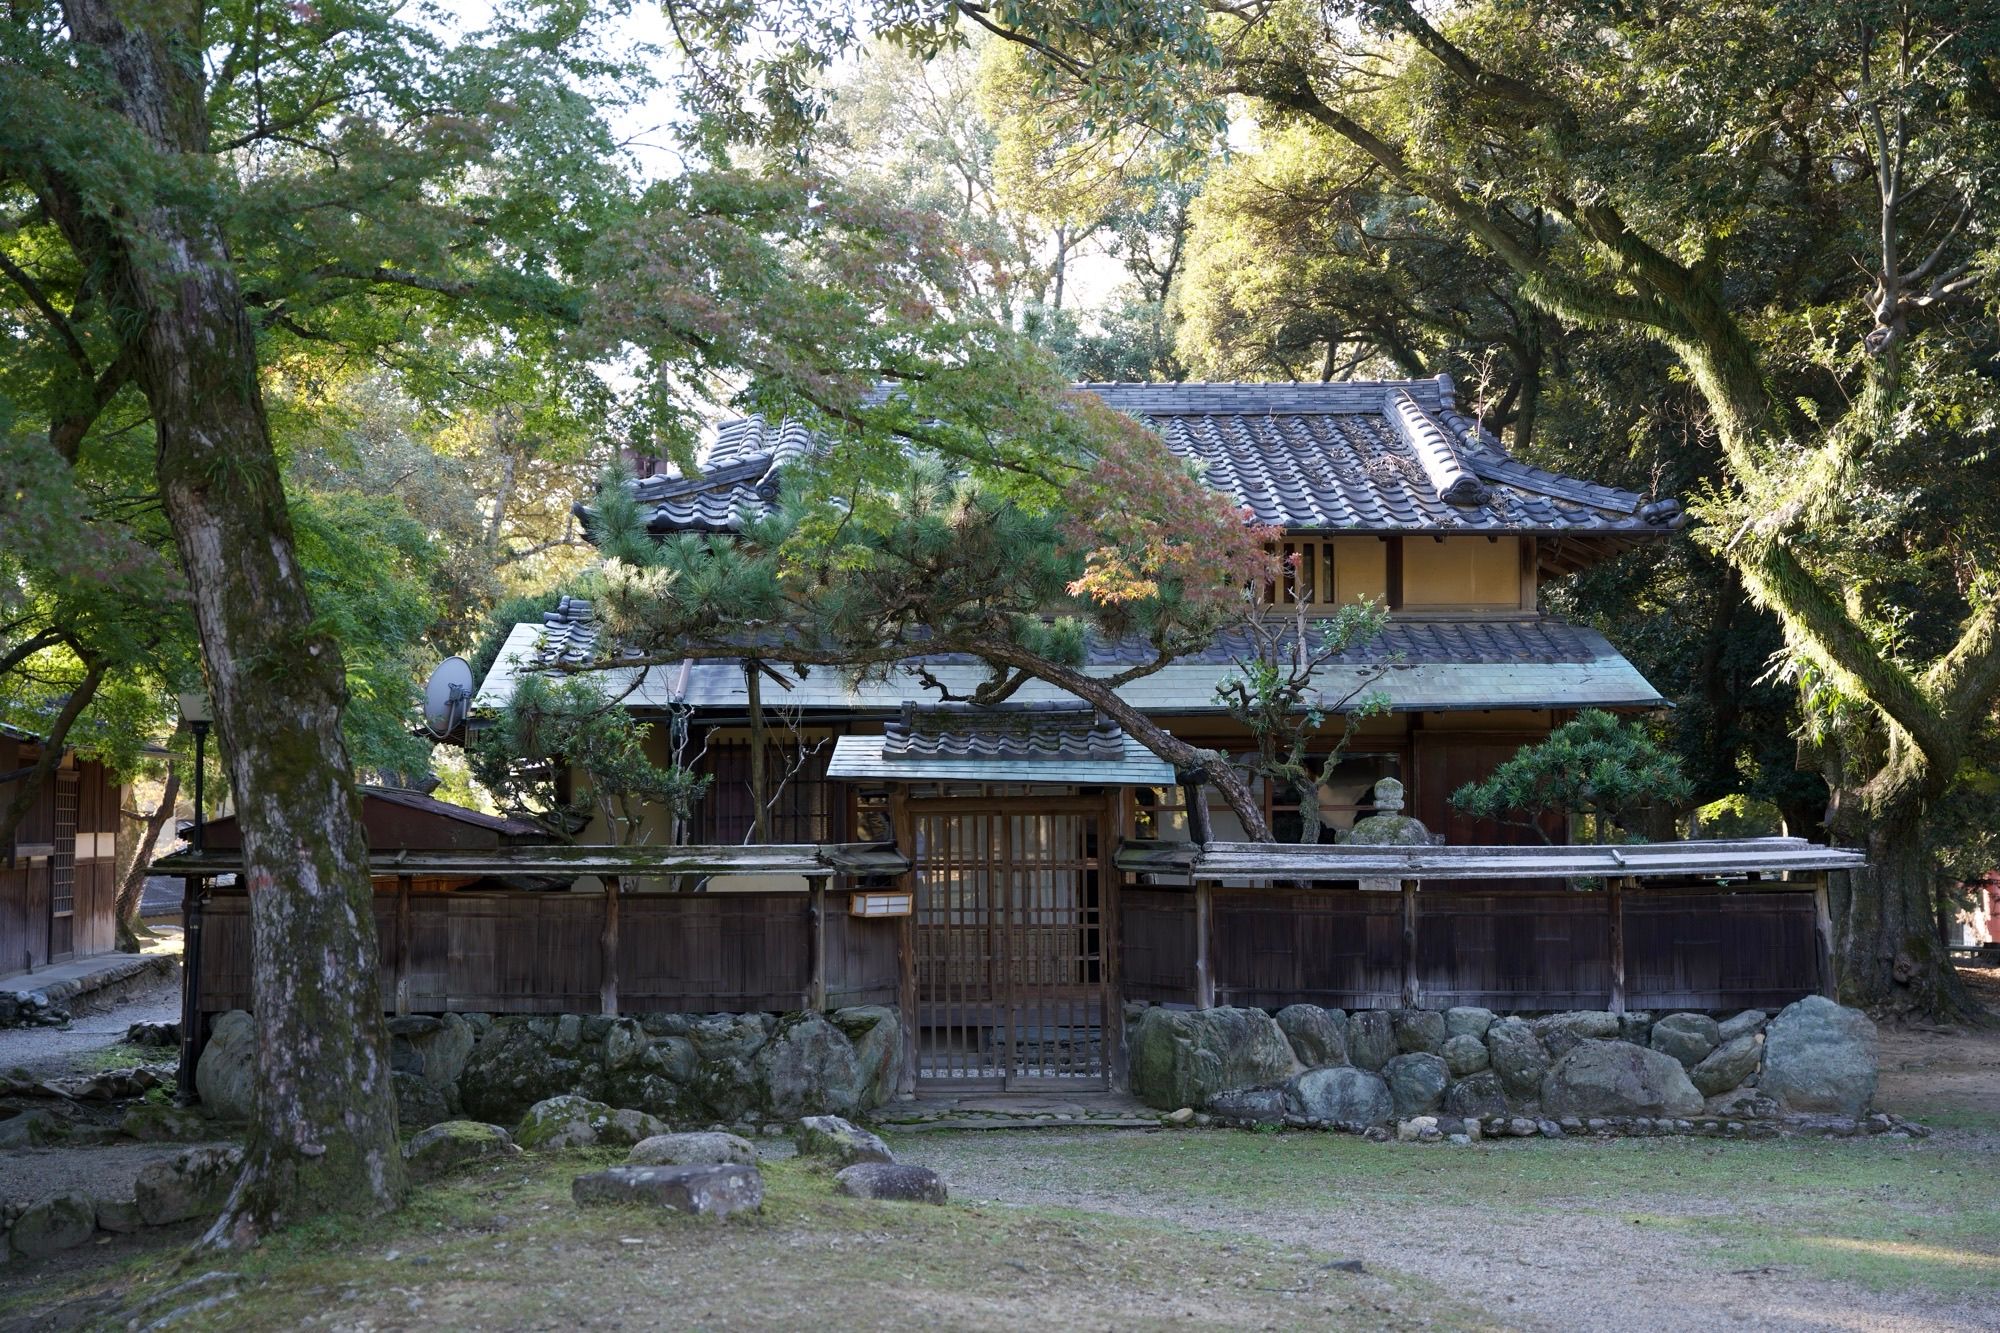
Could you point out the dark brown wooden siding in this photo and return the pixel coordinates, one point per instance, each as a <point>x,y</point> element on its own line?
<point>1521,950</point>
<point>30,936</point>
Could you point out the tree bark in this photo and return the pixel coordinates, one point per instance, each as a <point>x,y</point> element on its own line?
<point>323,1133</point>
<point>132,883</point>
<point>1887,954</point>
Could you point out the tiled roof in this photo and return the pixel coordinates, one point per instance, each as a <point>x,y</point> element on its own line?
<point>1525,662</point>
<point>1036,732</point>
<point>1358,456</point>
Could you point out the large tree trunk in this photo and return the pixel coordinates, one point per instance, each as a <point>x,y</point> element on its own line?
<point>323,1136</point>
<point>132,875</point>
<point>1887,954</point>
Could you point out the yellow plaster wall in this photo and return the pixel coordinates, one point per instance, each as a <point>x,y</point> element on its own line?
<point>1461,571</point>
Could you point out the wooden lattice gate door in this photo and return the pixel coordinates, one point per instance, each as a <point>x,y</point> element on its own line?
<point>1011,980</point>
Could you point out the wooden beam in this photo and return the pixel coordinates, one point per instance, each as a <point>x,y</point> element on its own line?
<point>1614,894</point>
<point>1204,958</point>
<point>402,945</point>
<point>607,991</point>
<point>901,821</point>
<point>1823,932</point>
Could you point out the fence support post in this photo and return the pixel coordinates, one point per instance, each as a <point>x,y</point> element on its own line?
<point>402,945</point>
<point>906,937</point>
<point>1615,898</point>
<point>816,946</point>
<point>607,990</point>
<point>1823,933</point>
<point>184,1088</point>
<point>1204,957</point>
<point>1409,944</point>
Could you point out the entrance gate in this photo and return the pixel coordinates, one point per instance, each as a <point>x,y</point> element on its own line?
<point>1010,940</point>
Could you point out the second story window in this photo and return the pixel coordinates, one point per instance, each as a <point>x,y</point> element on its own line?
<point>1331,571</point>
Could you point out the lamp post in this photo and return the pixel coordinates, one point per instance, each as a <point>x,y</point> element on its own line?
<point>195,711</point>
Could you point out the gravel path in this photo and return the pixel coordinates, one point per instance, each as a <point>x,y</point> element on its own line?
<point>1538,1269</point>
<point>49,1052</point>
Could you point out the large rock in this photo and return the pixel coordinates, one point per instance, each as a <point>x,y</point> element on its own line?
<point>194,1183</point>
<point>1416,1083</point>
<point>1465,1054</point>
<point>1318,1036</point>
<point>829,1139</point>
<point>150,1122</point>
<point>58,1223</point>
<point>1341,1095</point>
<point>420,1103</point>
<point>1249,1106</point>
<point>435,1047</point>
<point>877,1035</point>
<point>1418,1031</point>
<point>1616,1078</point>
<point>1561,1033</point>
<point>1481,1095</point>
<point>570,1121</point>
<point>698,1149</point>
<point>1726,1066</point>
<point>226,1074</point>
<point>808,1065</point>
<point>1750,1020</point>
<point>447,1146</point>
<point>1518,1057</point>
<point>1371,1039</point>
<point>1184,1057</point>
<point>704,1191</point>
<point>891,1180</point>
<point>1468,1020</point>
<point>1687,1037</point>
<point>512,1067</point>
<point>1820,1056</point>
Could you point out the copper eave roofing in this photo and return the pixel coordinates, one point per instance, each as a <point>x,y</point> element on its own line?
<point>1374,456</point>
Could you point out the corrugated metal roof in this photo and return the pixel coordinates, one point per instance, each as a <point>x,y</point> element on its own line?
<point>862,757</point>
<point>1359,456</point>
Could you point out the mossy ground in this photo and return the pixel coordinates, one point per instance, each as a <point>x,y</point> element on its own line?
<point>503,1247</point>
<point>1885,1214</point>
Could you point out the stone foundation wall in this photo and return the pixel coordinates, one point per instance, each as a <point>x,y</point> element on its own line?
<point>1307,1065</point>
<point>733,1068</point>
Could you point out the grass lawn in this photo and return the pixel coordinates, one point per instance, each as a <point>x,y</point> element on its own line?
<point>505,1248</point>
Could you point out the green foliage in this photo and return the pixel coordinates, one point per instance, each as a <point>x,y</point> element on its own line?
<point>562,751</point>
<point>1273,693</point>
<point>1737,816</point>
<point>1595,767</point>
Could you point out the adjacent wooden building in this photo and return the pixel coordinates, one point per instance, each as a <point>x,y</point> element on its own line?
<point>58,878</point>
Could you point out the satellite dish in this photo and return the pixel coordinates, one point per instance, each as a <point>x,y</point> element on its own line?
<point>447,696</point>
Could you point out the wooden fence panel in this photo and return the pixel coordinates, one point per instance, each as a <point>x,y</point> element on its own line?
<point>1513,950</point>
<point>225,953</point>
<point>527,953</point>
<point>863,962</point>
<point>1720,950</point>
<point>696,953</point>
<point>1156,938</point>
<point>1342,948</point>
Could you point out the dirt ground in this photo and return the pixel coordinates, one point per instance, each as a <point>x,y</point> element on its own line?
<point>1138,1229</point>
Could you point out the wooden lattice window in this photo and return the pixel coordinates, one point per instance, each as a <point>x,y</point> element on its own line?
<point>1330,571</point>
<point>805,807</point>
<point>62,866</point>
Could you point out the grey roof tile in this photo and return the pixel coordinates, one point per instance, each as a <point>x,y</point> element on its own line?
<point>1364,456</point>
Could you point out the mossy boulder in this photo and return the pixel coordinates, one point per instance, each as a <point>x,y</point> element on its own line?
<point>1184,1057</point>
<point>514,1066</point>
<point>1820,1056</point>
<point>226,1075</point>
<point>1616,1078</point>
<point>828,1140</point>
<point>570,1121</point>
<point>1318,1036</point>
<point>447,1146</point>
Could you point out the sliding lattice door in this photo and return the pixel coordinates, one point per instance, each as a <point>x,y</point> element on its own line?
<point>1010,946</point>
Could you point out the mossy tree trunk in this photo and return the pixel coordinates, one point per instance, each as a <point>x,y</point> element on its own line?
<point>323,1136</point>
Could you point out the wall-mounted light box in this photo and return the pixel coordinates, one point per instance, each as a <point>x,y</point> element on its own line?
<point>881,904</point>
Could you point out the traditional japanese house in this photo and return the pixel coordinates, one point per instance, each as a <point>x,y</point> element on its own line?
<point>58,878</point>
<point>1039,898</point>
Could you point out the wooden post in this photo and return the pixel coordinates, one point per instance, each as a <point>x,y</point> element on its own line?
<point>1823,931</point>
<point>753,691</point>
<point>191,890</point>
<point>816,945</point>
<point>1409,944</point>
<point>1204,960</point>
<point>906,938</point>
<point>607,991</point>
<point>402,945</point>
<point>1614,894</point>
<point>1117,815</point>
